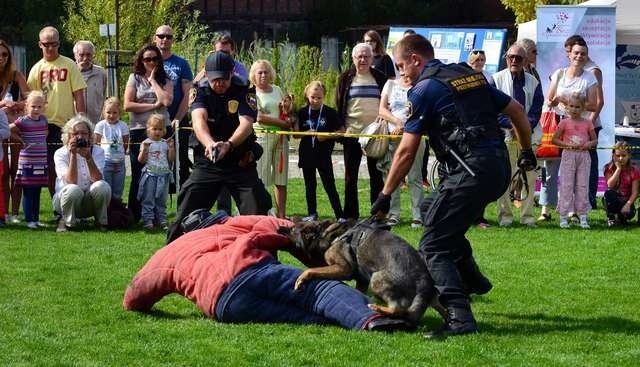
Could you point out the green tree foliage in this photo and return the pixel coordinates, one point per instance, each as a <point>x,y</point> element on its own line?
<point>525,10</point>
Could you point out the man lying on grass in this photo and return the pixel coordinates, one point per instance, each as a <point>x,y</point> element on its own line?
<point>230,271</point>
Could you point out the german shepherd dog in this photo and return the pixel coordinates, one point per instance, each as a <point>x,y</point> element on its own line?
<point>374,257</point>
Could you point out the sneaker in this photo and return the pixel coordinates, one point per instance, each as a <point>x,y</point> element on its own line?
<point>62,226</point>
<point>583,222</point>
<point>531,225</point>
<point>42,225</point>
<point>32,225</point>
<point>148,226</point>
<point>393,221</point>
<point>342,220</point>
<point>164,226</point>
<point>544,217</point>
<point>416,223</point>
<point>564,222</point>
<point>13,219</point>
<point>272,212</point>
<point>611,223</point>
<point>505,224</point>
<point>310,218</point>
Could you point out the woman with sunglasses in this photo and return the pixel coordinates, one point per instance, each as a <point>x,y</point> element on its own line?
<point>13,91</point>
<point>477,59</point>
<point>148,91</point>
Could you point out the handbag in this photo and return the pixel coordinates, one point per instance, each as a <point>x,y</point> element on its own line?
<point>548,125</point>
<point>375,147</point>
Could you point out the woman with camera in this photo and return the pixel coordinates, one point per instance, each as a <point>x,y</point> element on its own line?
<point>80,190</point>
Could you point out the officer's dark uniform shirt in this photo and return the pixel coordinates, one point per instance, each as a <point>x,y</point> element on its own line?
<point>430,99</point>
<point>223,112</point>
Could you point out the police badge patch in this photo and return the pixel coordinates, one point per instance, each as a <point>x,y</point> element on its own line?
<point>252,101</point>
<point>409,108</point>
<point>193,92</point>
<point>232,106</point>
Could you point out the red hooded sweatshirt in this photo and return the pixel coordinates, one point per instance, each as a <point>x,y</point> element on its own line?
<point>200,264</point>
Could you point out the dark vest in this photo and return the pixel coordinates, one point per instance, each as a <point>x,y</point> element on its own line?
<point>472,121</point>
<point>222,123</point>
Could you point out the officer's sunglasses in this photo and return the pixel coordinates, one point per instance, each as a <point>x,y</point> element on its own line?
<point>475,52</point>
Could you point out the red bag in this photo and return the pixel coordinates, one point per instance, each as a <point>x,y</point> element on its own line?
<point>548,125</point>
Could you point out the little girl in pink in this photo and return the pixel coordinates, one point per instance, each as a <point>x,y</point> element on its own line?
<point>576,136</point>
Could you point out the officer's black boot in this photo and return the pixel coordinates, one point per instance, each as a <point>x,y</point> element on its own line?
<point>460,321</point>
<point>475,282</point>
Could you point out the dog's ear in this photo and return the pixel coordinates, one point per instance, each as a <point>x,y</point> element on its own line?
<point>284,230</point>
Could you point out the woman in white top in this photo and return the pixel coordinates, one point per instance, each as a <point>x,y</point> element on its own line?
<point>564,83</point>
<point>394,109</point>
<point>273,166</point>
<point>81,191</point>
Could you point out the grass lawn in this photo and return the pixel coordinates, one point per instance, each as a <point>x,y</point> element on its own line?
<point>560,298</point>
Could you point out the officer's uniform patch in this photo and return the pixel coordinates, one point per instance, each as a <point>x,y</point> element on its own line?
<point>232,106</point>
<point>467,83</point>
<point>409,108</point>
<point>252,101</point>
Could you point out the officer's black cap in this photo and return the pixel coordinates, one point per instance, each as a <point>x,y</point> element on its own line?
<point>219,65</point>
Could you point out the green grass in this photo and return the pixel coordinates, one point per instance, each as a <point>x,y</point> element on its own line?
<point>560,298</point>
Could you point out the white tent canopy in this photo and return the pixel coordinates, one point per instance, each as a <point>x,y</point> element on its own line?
<point>627,21</point>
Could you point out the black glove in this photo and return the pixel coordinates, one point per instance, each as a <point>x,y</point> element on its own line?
<point>381,205</point>
<point>527,160</point>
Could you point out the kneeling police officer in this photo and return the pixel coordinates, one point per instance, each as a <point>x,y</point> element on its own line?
<point>224,148</point>
<point>458,110</point>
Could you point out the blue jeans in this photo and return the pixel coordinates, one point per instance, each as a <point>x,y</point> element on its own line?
<point>549,189</point>
<point>264,293</point>
<point>31,203</point>
<point>114,173</point>
<point>153,193</point>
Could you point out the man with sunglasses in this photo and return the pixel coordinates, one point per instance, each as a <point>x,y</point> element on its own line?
<point>59,78</point>
<point>179,72</point>
<point>457,108</point>
<point>524,88</point>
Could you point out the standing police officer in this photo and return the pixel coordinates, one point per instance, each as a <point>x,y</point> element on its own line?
<point>222,115</point>
<point>458,109</point>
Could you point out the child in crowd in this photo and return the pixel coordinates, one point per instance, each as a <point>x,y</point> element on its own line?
<point>623,185</point>
<point>315,151</point>
<point>4,134</point>
<point>576,135</point>
<point>157,155</point>
<point>288,109</point>
<point>113,136</point>
<point>31,130</point>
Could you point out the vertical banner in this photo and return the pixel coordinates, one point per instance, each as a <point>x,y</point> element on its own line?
<point>628,84</point>
<point>597,25</point>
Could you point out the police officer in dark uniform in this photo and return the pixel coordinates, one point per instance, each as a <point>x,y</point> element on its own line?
<point>222,114</point>
<point>458,110</point>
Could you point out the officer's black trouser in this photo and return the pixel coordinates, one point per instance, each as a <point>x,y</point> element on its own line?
<point>352,157</point>
<point>202,188</point>
<point>451,209</point>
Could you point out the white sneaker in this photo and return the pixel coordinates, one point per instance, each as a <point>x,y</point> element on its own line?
<point>41,225</point>
<point>13,219</point>
<point>583,222</point>
<point>32,225</point>
<point>564,222</point>
<point>416,223</point>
